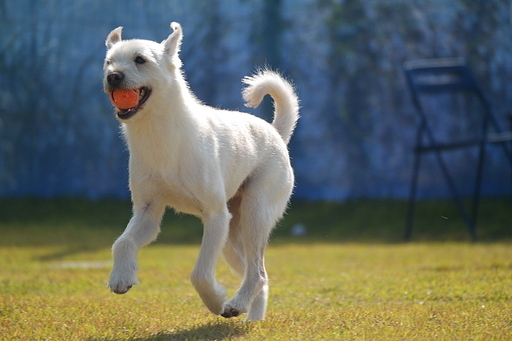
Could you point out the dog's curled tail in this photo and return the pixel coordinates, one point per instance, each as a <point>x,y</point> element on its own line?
<point>286,102</point>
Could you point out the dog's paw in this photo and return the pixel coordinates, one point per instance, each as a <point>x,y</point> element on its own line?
<point>232,311</point>
<point>119,288</point>
<point>121,284</point>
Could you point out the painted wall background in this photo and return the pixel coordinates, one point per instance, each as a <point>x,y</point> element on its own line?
<point>58,136</point>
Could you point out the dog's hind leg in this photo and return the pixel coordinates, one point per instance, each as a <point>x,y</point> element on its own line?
<point>253,236</point>
<point>259,212</point>
<point>235,256</point>
<point>141,230</point>
<point>216,226</point>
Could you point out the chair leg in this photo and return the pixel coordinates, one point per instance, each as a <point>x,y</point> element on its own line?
<point>412,197</point>
<point>460,204</point>
<point>478,186</point>
<point>507,146</point>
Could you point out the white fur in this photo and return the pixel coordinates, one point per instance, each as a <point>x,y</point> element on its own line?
<point>231,169</point>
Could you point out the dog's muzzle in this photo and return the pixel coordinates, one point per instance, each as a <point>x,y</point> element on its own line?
<point>115,81</point>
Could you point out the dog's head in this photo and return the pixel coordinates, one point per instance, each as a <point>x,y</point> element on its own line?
<point>141,65</point>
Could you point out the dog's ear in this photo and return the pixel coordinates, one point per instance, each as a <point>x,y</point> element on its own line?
<point>173,42</point>
<point>114,37</point>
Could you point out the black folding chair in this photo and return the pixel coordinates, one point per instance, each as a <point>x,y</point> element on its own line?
<point>440,76</point>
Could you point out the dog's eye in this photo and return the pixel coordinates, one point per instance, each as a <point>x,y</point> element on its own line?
<point>139,60</point>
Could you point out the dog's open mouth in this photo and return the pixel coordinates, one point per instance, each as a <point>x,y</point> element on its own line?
<point>127,113</point>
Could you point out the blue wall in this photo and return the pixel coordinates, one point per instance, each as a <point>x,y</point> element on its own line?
<point>58,136</point>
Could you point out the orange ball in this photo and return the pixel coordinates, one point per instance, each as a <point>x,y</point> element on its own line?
<point>125,99</point>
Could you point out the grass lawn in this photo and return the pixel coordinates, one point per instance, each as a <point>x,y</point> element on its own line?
<point>349,278</point>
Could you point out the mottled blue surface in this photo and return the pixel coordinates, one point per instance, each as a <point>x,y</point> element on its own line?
<point>58,136</point>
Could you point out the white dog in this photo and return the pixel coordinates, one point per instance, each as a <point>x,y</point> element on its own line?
<point>230,169</point>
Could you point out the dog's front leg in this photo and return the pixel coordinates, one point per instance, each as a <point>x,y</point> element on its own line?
<point>141,230</point>
<point>216,228</point>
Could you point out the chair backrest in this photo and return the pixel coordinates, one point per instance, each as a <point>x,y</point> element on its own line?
<point>440,76</point>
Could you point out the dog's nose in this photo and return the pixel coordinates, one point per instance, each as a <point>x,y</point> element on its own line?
<point>115,78</point>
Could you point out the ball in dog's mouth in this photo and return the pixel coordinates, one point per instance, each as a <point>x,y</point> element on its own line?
<point>129,101</point>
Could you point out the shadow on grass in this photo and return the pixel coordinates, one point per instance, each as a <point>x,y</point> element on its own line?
<point>61,254</point>
<point>210,331</point>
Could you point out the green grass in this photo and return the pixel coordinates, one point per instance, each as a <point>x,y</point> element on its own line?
<point>350,278</point>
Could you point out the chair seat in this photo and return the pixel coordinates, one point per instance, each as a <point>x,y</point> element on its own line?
<point>489,139</point>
